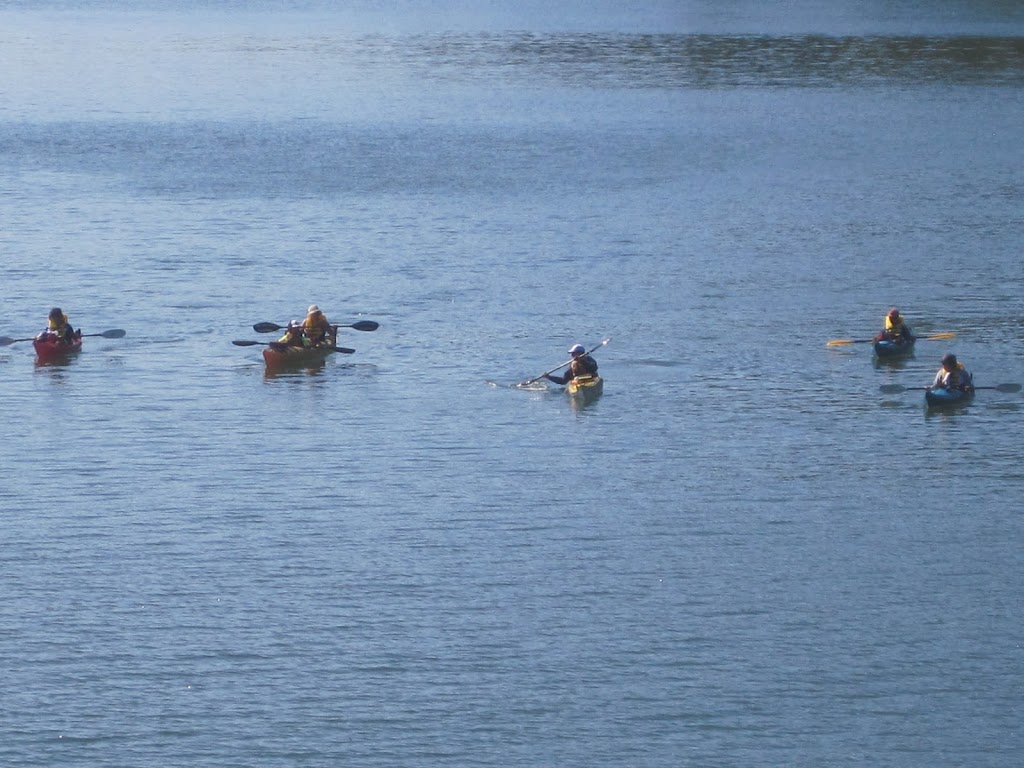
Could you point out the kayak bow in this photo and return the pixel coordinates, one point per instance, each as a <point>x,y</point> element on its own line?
<point>50,348</point>
<point>280,356</point>
<point>585,386</point>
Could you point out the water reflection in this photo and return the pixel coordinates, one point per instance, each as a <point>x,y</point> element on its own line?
<point>295,372</point>
<point>892,363</point>
<point>57,362</point>
<point>585,397</point>
<point>580,403</point>
<point>945,412</point>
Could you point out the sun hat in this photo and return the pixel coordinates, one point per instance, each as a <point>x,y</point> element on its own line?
<point>312,308</point>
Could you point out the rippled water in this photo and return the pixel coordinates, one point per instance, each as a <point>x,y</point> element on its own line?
<point>742,553</point>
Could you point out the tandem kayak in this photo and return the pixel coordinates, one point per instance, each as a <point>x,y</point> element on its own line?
<point>282,356</point>
<point>887,348</point>
<point>939,397</point>
<point>54,349</point>
<point>585,386</point>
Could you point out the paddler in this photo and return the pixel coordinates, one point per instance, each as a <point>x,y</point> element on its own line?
<point>292,334</point>
<point>57,326</point>
<point>317,328</point>
<point>895,329</point>
<point>953,375</point>
<point>582,365</point>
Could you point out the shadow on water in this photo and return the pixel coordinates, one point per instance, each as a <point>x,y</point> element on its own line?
<point>1006,406</point>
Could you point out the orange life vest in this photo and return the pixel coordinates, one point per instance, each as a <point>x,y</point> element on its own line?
<point>316,327</point>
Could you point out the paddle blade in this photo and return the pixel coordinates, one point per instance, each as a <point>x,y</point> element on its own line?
<point>267,327</point>
<point>241,343</point>
<point>936,336</point>
<point>1008,387</point>
<point>114,333</point>
<point>7,340</point>
<point>844,342</point>
<point>343,350</point>
<point>365,325</point>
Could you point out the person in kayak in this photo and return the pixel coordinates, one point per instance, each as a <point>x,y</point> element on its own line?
<point>896,329</point>
<point>953,375</point>
<point>317,328</point>
<point>292,335</point>
<point>58,327</point>
<point>582,365</point>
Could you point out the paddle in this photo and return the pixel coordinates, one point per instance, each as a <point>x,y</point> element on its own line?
<point>362,325</point>
<point>114,333</point>
<point>930,337</point>
<point>279,346</point>
<point>893,389</point>
<point>567,362</point>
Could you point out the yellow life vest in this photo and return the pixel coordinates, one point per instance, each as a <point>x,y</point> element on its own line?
<point>292,336</point>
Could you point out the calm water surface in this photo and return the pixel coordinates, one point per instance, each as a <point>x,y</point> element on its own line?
<point>743,553</point>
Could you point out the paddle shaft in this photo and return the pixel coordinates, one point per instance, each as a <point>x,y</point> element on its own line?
<point>930,337</point>
<point>113,333</point>
<point>280,345</point>
<point>361,325</point>
<point>897,388</point>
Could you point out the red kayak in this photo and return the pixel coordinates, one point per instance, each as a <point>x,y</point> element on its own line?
<point>51,348</point>
<point>281,356</point>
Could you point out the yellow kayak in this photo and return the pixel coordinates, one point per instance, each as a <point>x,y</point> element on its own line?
<point>584,386</point>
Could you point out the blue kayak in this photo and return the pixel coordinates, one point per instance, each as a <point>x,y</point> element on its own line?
<point>887,348</point>
<point>940,396</point>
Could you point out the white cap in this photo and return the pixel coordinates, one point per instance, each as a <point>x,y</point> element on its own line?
<point>576,348</point>
<point>312,308</point>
